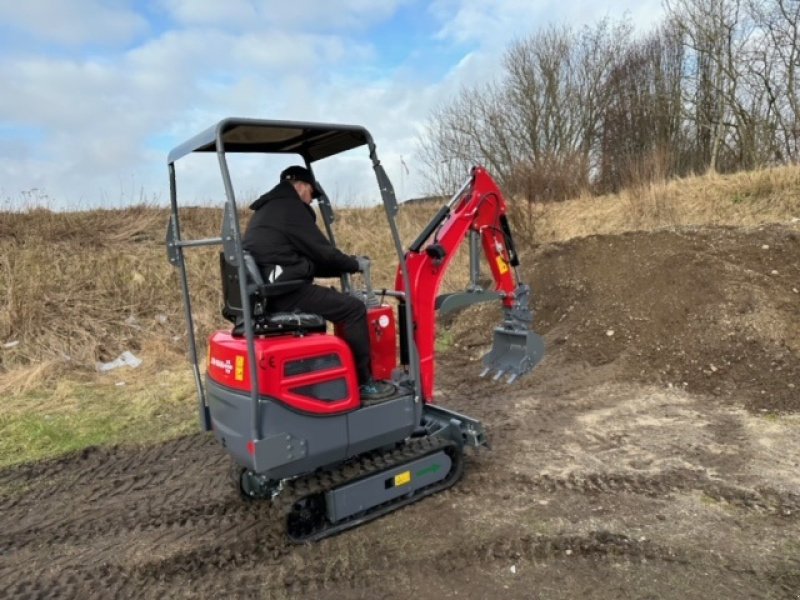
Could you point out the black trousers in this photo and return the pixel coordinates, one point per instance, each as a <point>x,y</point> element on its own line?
<point>343,310</point>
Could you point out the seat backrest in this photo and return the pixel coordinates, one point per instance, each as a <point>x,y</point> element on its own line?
<point>257,290</point>
<point>233,308</point>
<point>253,272</point>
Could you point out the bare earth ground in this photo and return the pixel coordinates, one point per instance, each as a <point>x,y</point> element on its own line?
<point>655,453</point>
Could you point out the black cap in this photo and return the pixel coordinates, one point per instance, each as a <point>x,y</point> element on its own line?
<point>297,173</point>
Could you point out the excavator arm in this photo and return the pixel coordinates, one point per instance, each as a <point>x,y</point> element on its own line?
<point>478,212</point>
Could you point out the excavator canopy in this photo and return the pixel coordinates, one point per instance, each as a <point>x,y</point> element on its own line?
<point>313,141</point>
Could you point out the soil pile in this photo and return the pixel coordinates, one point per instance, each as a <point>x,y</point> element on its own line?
<point>709,310</point>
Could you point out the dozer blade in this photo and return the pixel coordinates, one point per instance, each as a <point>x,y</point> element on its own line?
<point>515,351</point>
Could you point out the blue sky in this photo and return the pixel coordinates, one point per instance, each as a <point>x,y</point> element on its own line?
<point>97,92</point>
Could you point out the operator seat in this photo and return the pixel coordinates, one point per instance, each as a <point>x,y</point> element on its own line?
<point>264,321</point>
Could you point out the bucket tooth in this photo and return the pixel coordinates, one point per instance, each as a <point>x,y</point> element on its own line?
<point>512,378</point>
<point>498,375</point>
<point>485,372</point>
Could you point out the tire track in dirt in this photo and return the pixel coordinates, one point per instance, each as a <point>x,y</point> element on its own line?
<point>241,541</point>
<point>764,500</point>
<point>252,552</point>
<point>225,540</point>
<point>97,473</point>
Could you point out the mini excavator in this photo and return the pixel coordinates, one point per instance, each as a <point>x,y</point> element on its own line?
<point>280,393</point>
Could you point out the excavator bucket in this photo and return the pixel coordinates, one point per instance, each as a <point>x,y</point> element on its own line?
<point>515,351</point>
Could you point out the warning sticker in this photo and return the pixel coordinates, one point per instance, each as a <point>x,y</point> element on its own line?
<point>402,478</point>
<point>502,265</point>
<point>238,374</point>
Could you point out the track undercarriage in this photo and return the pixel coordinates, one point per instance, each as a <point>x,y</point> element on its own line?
<point>330,501</point>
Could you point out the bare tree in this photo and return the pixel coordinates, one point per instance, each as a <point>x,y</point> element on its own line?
<point>472,129</point>
<point>543,115</point>
<point>774,68</point>
<point>642,135</point>
<point>708,28</point>
<point>714,88</point>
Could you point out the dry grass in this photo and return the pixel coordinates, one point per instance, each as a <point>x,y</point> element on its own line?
<point>742,199</point>
<point>81,287</point>
<point>76,288</point>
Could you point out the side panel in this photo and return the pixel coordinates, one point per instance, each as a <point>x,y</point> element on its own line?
<point>293,443</point>
<point>374,426</point>
<point>356,497</point>
<point>313,373</point>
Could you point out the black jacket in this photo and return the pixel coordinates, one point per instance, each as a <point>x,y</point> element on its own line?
<point>283,231</point>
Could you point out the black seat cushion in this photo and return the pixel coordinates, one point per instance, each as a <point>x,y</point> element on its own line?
<point>295,319</point>
<point>282,323</point>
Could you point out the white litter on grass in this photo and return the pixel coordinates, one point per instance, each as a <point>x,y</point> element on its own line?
<point>126,358</point>
<point>9,345</point>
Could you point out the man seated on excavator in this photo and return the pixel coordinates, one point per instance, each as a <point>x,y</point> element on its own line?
<point>287,245</point>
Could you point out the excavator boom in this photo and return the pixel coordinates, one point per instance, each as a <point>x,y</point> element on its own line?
<point>477,211</point>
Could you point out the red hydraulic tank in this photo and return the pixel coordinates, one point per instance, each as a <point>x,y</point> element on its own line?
<point>382,340</point>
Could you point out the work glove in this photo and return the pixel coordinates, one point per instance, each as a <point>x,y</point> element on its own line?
<point>363,263</point>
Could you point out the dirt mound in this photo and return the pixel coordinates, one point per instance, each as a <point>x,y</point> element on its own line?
<point>709,310</point>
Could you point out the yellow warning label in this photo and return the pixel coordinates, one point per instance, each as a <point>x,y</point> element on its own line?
<point>402,478</point>
<point>502,265</point>
<point>238,374</point>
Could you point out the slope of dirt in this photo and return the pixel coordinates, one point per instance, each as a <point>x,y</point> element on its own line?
<point>712,311</point>
<point>625,466</point>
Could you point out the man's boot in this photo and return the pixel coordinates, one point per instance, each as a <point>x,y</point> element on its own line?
<point>376,390</point>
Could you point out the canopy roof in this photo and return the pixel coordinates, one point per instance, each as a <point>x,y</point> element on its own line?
<point>313,141</point>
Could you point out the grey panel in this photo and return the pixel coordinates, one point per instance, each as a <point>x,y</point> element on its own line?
<point>276,450</point>
<point>361,495</point>
<point>294,443</point>
<point>230,419</point>
<point>381,424</point>
<point>326,437</point>
<point>291,443</point>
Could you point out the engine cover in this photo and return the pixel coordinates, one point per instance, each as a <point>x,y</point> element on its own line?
<point>312,373</point>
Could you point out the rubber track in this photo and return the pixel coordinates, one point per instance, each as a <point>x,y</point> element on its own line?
<point>366,465</point>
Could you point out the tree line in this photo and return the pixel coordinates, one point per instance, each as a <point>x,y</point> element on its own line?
<point>712,88</point>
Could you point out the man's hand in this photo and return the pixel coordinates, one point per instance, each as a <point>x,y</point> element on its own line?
<point>363,263</point>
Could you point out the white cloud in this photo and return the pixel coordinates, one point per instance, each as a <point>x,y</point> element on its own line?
<point>104,119</point>
<point>295,15</point>
<point>75,22</point>
<point>495,23</point>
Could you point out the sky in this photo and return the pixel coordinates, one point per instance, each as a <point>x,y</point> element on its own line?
<point>97,92</point>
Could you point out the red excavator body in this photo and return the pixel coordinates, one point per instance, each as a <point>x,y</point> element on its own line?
<point>280,391</point>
